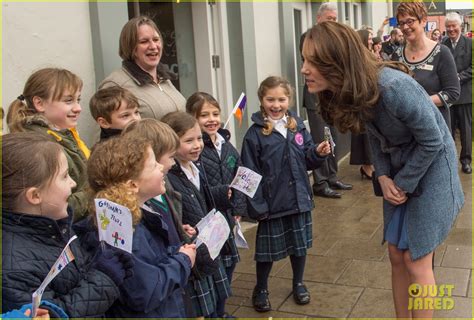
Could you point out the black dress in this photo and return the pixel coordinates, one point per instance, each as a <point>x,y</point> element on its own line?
<point>437,74</point>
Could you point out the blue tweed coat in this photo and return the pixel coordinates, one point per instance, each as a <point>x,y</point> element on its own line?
<point>409,137</point>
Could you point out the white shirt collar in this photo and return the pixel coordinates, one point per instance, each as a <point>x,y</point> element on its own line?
<point>192,175</point>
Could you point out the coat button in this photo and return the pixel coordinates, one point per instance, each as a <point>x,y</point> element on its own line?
<point>53,237</point>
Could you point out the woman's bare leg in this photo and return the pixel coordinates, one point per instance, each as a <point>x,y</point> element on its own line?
<point>400,282</point>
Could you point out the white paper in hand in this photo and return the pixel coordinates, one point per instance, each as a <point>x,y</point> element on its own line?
<point>214,232</point>
<point>240,241</point>
<point>114,224</point>
<point>246,181</point>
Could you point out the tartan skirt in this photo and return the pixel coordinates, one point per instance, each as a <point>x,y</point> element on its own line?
<point>232,257</point>
<point>205,293</point>
<point>281,237</point>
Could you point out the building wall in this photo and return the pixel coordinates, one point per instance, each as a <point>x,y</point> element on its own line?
<point>267,39</point>
<point>38,35</point>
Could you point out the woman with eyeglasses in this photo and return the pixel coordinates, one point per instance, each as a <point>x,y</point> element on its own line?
<point>432,63</point>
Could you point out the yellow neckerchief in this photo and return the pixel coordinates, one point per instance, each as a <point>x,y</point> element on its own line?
<point>81,145</point>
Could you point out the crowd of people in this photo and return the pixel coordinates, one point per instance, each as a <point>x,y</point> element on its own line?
<point>170,162</point>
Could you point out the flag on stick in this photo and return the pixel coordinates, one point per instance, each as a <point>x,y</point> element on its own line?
<point>238,110</point>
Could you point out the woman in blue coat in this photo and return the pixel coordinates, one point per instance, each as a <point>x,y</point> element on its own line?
<point>412,149</point>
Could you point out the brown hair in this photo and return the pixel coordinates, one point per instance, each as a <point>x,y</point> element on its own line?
<point>180,122</point>
<point>415,8</point>
<point>163,138</point>
<point>28,160</point>
<point>48,83</point>
<point>271,83</point>
<point>105,101</point>
<point>364,37</point>
<point>129,36</point>
<point>111,165</point>
<point>197,100</point>
<point>351,71</point>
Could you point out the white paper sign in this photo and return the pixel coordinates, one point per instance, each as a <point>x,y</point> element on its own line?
<point>214,232</point>
<point>240,241</point>
<point>64,258</point>
<point>114,224</point>
<point>246,181</point>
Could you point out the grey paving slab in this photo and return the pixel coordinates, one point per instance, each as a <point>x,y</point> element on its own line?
<point>370,274</point>
<point>374,303</point>
<point>459,237</point>
<point>320,269</point>
<point>458,257</point>
<point>462,309</point>
<point>455,276</point>
<point>247,312</point>
<point>327,300</point>
<point>357,249</point>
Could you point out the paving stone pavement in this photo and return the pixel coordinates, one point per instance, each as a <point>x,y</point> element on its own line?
<point>348,270</point>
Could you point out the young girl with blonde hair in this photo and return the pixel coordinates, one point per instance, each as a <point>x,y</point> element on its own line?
<point>278,147</point>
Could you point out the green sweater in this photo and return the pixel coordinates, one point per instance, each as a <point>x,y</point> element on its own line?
<point>76,159</point>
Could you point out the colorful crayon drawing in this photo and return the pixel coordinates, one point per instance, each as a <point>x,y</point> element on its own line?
<point>104,221</point>
<point>116,236</point>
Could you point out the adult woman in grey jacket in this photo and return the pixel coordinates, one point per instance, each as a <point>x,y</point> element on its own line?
<point>141,47</point>
<point>412,149</point>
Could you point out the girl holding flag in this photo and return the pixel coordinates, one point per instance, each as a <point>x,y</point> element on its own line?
<point>36,227</point>
<point>220,161</point>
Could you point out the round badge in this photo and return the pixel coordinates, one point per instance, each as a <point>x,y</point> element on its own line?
<point>299,139</point>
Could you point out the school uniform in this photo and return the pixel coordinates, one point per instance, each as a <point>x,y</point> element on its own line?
<point>221,161</point>
<point>283,201</point>
<point>206,290</point>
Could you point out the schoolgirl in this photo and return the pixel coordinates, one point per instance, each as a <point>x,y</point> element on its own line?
<point>278,147</point>
<point>49,105</point>
<point>36,226</point>
<point>220,160</point>
<point>210,287</point>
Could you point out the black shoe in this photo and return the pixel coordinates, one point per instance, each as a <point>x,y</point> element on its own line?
<point>260,300</point>
<point>466,168</point>
<point>339,185</point>
<point>301,294</point>
<point>328,193</point>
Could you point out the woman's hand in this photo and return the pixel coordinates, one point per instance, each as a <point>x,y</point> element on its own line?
<point>190,231</point>
<point>324,148</point>
<point>229,193</point>
<point>391,192</point>
<point>237,218</point>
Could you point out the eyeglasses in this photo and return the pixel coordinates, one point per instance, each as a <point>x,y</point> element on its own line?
<point>408,22</point>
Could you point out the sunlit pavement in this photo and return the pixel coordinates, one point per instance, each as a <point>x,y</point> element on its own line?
<point>348,270</point>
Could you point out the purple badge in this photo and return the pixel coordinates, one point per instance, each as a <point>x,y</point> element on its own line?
<point>299,139</point>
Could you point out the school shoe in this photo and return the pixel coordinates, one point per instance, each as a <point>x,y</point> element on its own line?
<point>301,294</point>
<point>260,300</point>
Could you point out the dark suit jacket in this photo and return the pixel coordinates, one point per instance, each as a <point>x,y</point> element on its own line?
<point>463,58</point>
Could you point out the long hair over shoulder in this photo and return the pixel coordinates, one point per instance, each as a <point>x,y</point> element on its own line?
<point>351,71</point>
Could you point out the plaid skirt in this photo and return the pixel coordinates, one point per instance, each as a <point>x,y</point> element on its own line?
<point>232,257</point>
<point>205,293</point>
<point>280,237</point>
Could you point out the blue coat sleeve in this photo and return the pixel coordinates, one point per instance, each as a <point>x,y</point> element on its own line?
<point>154,278</point>
<point>313,160</point>
<point>410,103</point>
<point>257,206</point>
